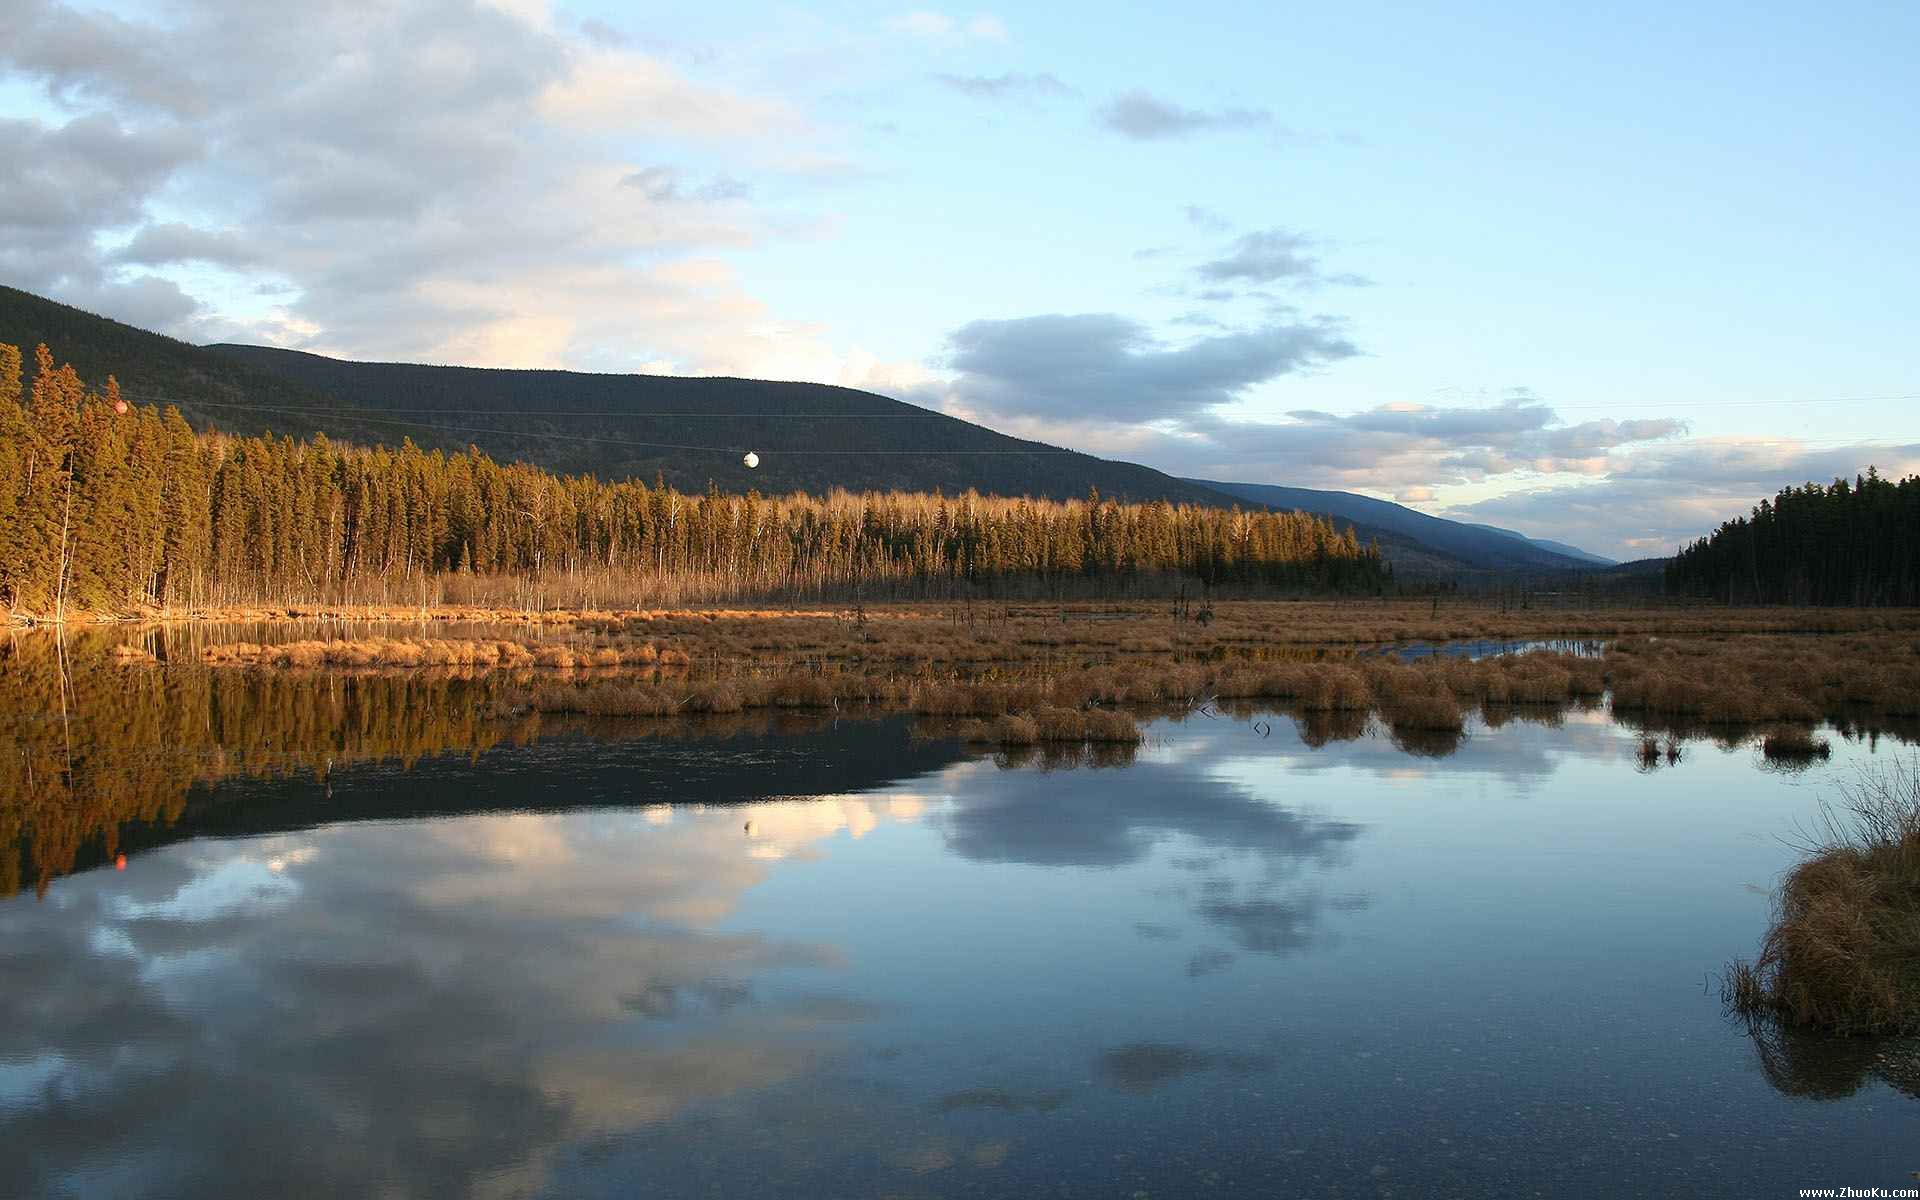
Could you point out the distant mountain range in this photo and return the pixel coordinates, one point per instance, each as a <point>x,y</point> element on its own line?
<point>1482,547</point>
<point>691,431</point>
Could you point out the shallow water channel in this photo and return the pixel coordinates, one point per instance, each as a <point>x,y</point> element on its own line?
<point>851,961</point>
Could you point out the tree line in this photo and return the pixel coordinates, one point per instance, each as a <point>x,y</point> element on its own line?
<point>116,507</point>
<point>1849,544</point>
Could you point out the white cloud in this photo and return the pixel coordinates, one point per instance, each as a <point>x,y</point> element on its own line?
<point>618,90</point>
<point>425,180</point>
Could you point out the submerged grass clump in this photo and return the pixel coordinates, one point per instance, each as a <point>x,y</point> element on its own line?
<point>1792,743</point>
<point>1844,950</point>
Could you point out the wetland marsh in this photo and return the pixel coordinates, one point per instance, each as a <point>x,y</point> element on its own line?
<point>423,929</point>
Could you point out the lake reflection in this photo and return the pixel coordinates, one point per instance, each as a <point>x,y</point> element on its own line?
<point>853,962</point>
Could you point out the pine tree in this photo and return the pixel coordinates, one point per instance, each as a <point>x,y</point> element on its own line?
<point>14,455</point>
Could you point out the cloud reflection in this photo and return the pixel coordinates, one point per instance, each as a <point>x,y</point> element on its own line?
<point>456,999</point>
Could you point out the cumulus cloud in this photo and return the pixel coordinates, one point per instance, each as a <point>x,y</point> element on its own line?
<point>66,181</point>
<point>1105,383</point>
<point>1270,256</point>
<point>164,243</point>
<point>1074,366</point>
<point>1264,256</point>
<point>1405,448</point>
<point>86,55</point>
<point>1144,117</point>
<point>446,181</point>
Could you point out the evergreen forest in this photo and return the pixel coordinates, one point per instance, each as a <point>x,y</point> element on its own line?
<point>107,506</point>
<point>1852,543</point>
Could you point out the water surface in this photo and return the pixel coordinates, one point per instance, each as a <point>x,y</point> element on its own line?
<point>840,959</point>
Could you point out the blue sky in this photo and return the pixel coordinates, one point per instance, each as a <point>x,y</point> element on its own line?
<point>1601,275</point>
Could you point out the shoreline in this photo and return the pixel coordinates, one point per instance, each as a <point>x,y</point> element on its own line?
<point>1285,620</point>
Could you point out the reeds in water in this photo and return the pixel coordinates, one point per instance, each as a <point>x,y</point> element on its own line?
<point>1843,953</point>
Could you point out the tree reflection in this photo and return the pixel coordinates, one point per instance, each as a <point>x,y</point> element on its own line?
<point>100,758</point>
<point>93,747</point>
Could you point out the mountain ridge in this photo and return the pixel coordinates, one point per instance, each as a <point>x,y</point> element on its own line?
<point>1473,546</point>
<point>810,437</point>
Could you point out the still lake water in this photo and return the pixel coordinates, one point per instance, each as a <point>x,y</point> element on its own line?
<point>851,962</point>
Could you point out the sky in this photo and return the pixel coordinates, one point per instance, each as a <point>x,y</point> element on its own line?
<point>1601,274</point>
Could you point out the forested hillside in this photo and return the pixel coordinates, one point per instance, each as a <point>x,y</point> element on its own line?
<point>1853,544</point>
<point>809,437</point>
<point>692,431</point>
<point>112,506</point>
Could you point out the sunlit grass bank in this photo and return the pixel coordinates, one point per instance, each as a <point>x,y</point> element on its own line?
<point>1843,953</point>
<point>1674,680</point>
<point>988,628</point>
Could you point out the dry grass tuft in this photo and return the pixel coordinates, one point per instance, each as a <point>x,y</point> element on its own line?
<point>1009,730</point>
<point>1435,712</point>
<point>719,696</point>
<point>803,691</point>
<point>1050,724</point>
<point>1844,950</point>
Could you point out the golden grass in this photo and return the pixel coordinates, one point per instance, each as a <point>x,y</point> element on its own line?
<point>1723,685</point>
<point>1843,953</point>
<point>988,631</point>
<point>383,652</point>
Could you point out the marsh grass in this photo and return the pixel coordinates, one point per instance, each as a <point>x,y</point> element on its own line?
<point>1434,712</point>
<point>1843,953</point>
<point>944,663</point>
<point>1793,743</point>
<point>1052,724</point>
